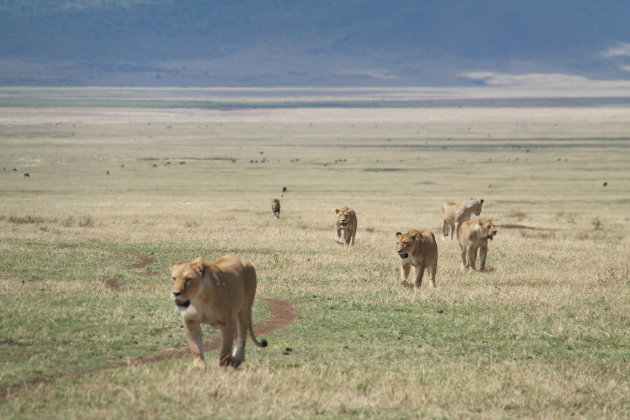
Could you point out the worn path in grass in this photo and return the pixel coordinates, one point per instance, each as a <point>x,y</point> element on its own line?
<point>282,314</point>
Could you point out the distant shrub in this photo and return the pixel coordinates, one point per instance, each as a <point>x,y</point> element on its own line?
<point>518,215</point>
<point>23,220</point>
<point>86,221</point>
<point>597,224</point>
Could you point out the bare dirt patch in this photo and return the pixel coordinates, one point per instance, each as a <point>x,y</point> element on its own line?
<point>112,284</point>
<point>283,313</point>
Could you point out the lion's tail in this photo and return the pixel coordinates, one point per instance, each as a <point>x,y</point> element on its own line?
<point>261,343</point>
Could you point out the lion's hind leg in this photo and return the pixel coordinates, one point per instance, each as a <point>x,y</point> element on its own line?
<point>432,273</point>
<point>227,340</point>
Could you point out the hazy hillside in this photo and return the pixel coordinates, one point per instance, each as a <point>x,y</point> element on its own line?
<point>319,42</point>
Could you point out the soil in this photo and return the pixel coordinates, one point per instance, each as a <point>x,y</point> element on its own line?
<point>282,314</point>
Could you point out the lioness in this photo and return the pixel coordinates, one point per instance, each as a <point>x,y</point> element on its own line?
<point>417,248</point>
<point>217,293</point>
<point>346,225</point>
<point>275,208</point>
<point>454,214</point>
<point>473,236</point>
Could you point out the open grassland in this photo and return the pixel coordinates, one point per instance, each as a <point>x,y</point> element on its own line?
<point>84,259</point>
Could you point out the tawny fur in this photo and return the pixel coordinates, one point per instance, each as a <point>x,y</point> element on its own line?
<point>473,237</point>
<point>454,214</point>
<point>220,293</point>
<point>417,248</point>
<point>275,208</point>
<point>346,226</point>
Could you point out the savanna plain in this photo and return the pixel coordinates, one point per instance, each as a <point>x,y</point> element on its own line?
<point>118,190</point>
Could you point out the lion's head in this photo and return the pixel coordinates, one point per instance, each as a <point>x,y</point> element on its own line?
<point>186,281</point>
<point>477,205</point>
<point>487,229</point>
<point>344,216</point>
<point>405,244</point>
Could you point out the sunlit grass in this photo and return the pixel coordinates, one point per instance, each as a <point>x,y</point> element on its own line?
<point>543,333</point>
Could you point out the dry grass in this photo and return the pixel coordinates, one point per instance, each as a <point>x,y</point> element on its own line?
<point>542,334</point>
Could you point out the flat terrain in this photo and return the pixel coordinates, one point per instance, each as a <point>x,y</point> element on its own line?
<point>118,191</point>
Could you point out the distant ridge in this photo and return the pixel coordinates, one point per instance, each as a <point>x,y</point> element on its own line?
<point>314,43</point>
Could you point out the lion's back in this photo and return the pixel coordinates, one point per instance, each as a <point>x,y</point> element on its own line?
<point>426,249</point>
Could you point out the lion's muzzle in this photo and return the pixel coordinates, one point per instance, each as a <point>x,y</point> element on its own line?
<point>403,255</point>
<point>183,305</point>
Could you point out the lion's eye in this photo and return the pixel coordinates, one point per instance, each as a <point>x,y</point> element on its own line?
<point>187,279</point>
<point>172,278</point>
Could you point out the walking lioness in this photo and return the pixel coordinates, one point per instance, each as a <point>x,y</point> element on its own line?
<point>346,225</point>
<point>218,293</point>
<point>473,236</point>
<point>417,248</point>
<point>275,208</point>
<point>454,214</point>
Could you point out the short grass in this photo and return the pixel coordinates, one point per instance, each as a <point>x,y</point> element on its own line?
<point>543,333</point>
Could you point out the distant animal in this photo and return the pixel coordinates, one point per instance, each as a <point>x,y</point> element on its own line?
<point>220,293</point>
<point>454,214</point>
<point>275,208</point>
<point>473,237</point>
<point>284,189</point>
<point>107,172</point>
<point>417,248</point>
<point>27,175</point>
<point>605,184</point>
<point>346,225</point>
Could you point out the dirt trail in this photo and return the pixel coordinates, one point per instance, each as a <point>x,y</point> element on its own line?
<point>282,314</point>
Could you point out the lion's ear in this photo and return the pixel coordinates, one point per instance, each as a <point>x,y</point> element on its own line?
<point>398,235</point>
<point>199,264</point>
<point>414,236</point>
<point>481,201</point>
<point>337,211</point>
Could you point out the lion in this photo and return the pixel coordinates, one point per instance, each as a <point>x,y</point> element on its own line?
<point>346,225</point>
<point>275,208</point>
<point>217,293</point>
<point>454,214</point>
<point>417,248</point>
<point>473,236</point>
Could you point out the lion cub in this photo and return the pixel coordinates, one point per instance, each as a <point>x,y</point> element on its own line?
<point>346,225</point>
<point>217,293</point>
<point>473,236</point>
<point>417,248</point>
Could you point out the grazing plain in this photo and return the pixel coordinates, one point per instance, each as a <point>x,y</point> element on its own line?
<point>115,194</point>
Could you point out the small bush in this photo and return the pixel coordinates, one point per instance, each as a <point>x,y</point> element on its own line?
<point>25,220</point>
<point>597,224</point>
<point>86,221</point>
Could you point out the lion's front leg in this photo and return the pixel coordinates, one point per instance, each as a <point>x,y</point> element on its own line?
<point>464,254</point>
<point>483,252</point>
<point>338,237</point>
<point>419,275</point>
<point>405,269</point>
<point>472,256</point>
<point>195,341</point>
